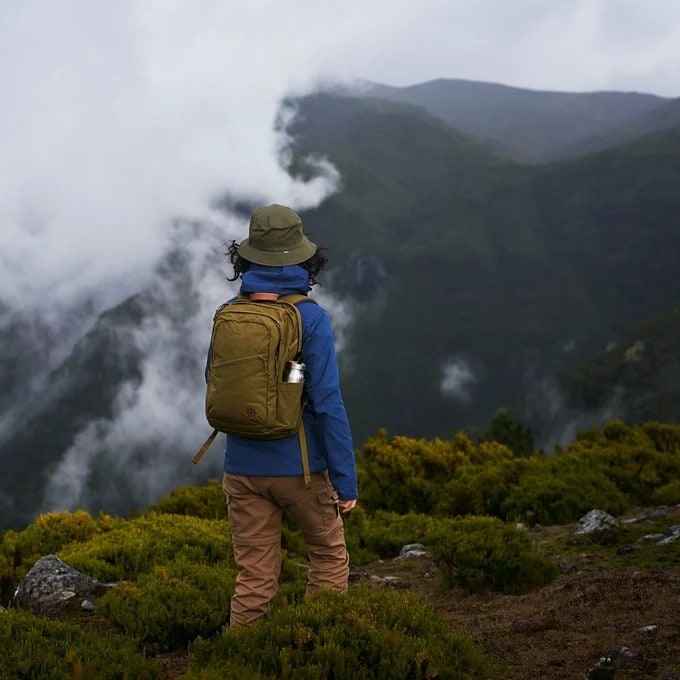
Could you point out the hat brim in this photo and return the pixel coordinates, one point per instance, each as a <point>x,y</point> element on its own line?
<point>277,258</point>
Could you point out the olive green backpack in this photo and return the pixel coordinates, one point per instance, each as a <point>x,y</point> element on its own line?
<point>252,340</point>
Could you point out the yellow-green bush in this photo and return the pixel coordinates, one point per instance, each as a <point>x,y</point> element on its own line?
<point>481,489</point>
<point>206,502</point>
<point>403,475</point>
<point>613,468</point>
<point>172,604</point>
<point>355,636</point>
<point>483,552</point>
<point>664,436</point>
<point>668,494</point>
<point>46,535</point>
<point>559,494</point>
<point>136,546</point>
<point>637,459</point>
<point>37,648</point>
<point>383,534</point>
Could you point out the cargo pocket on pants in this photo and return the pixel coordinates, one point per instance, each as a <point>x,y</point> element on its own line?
<point>329,512</point>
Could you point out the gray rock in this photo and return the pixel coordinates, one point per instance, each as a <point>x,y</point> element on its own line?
<point>411,547</point>
<point>647,629</point>
<point>652,513</point>
<point>672,536</point>
<point>594,521</point>
<point>598,524</point>
<point>2,609</point>
<point>650,537</point>
<point>393,581</point>
<point>87,606</point>
<point>412,550</point>
<point>51,585</point>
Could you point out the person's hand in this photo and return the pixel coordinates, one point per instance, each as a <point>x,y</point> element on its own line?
<point>346,506</point>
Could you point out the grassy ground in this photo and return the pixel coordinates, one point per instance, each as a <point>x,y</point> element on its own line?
<point>625,594</point>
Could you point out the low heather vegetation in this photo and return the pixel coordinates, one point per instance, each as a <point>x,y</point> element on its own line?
<point>461,500</point>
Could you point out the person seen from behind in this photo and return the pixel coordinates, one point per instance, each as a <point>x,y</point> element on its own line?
<point>263,479</point>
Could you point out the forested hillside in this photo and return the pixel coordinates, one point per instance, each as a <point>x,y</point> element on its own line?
<point>640,372</point>
<point>510,272</point>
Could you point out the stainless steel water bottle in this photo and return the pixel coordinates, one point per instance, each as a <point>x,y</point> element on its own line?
<point>294,372</point>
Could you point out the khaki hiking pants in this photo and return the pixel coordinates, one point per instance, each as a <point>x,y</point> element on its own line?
<point>255,506</point>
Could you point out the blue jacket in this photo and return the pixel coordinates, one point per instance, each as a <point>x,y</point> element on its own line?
<point>329,439</point>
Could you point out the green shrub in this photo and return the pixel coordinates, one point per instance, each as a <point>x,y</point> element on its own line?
<point>291,539</point>
<point>46,535</point>
<point>558,494</point>
<point>613,467</point>
<point>382,534</point>
<point>135,547</point>
<point>638,459</point>
<point>37,648</point>
<point>292,582</point>
<point>404,475</point>
<point>665,437</point>
<point>668,494</point>
<point>172,604</point>
<point>483,552</point>
<point>482,489</point>
<point>355,636</point>
<point>206,502</point>
<point>505,428</point>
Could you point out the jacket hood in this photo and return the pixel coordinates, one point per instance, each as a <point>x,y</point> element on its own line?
<point>286,280</point>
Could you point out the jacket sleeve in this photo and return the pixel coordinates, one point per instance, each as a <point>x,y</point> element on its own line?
<point>322,389</point>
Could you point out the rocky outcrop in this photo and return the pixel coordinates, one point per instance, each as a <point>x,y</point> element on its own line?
<point>412,550</point>
<point>599,525</point>
<point>52,586</point>
<point>672,536</point>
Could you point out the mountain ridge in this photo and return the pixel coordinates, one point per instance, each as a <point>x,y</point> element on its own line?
<point>530,125</point>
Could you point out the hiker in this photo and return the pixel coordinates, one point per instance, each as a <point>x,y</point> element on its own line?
<point>265,478</point>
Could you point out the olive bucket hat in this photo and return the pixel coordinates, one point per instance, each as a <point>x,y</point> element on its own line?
<point>275,238</point>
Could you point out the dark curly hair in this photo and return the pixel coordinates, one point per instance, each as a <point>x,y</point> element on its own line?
<point>314,265</point>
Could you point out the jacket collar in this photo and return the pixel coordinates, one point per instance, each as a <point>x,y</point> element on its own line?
<point>286,280</point>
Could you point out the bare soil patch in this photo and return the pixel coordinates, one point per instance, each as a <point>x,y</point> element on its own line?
<point>561,631</point>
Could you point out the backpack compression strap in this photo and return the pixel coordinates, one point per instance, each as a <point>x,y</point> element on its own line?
<point>305,455</point>
<point>206,445</point>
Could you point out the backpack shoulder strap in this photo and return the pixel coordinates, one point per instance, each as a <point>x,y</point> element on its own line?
<point>296,299</point>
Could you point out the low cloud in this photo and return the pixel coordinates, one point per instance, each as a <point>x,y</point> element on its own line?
<point>559,423</point>
<point>457,380</point>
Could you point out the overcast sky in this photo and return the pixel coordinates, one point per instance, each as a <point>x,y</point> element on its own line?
<point>117,116</point>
